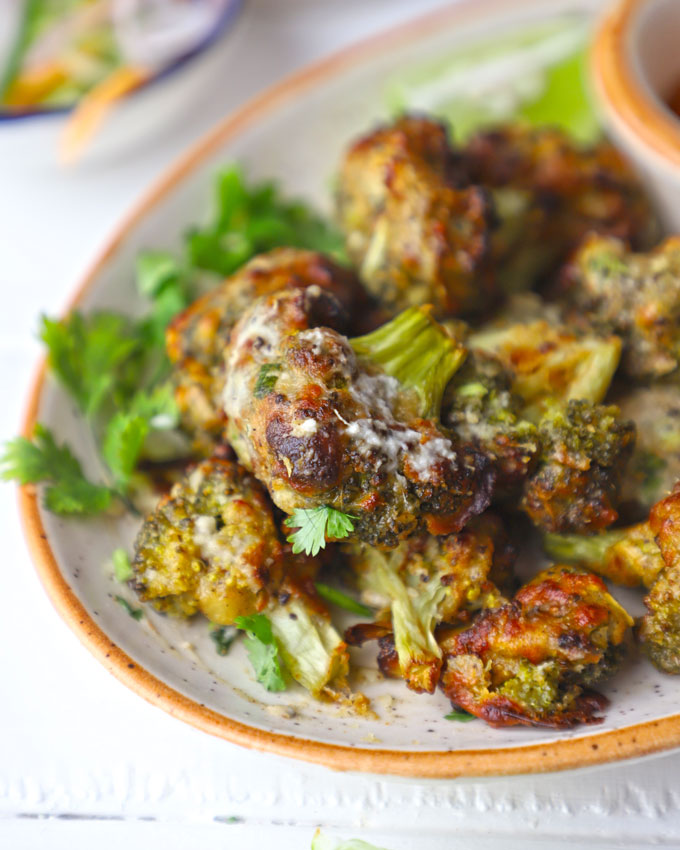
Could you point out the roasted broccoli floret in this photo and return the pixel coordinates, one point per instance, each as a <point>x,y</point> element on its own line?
<point>572,190</point>
<point>584,450</point>
<point>655,465</point>
<point>550,362</point>
<point>422,583</point>
<point>415,228</point>
<point>212,546</point>
<point>196,338</point>
<point>351,425</point>
<point>634,295</point>
<point>482,410</point>
<point>660,628</point>
<point>626,556</point>
<point>528,662</point>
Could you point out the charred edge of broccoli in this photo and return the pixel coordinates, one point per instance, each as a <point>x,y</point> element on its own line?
<point>416,350</point>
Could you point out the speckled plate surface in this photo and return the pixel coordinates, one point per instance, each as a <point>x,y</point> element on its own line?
<point>295,133</point>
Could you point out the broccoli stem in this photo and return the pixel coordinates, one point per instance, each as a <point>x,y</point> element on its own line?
<point>416,350</point>
<point>628,556</point>
<point>312,650</point>
<point>577,549</point>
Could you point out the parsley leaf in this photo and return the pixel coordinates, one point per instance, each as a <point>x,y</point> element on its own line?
<point>122,569</point>
<point>135,613</point>
<point>460,716</point>
<point>250,220</point>
<point>314,525</point>
<point>128,430</point>
<point>263,651</point>
<point>342,600</point>
<point>86,354</point>
<point>43,461</point>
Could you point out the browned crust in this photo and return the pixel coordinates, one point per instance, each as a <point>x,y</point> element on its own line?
<point>633,105</point>
<point>639,740</point>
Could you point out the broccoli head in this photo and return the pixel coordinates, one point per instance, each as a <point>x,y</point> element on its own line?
<point>634,295</point>
<point>417,232</point>
<point>655,465</point>
<point>482,410</point>
<point>197,337</point>
<point>660,628</point>
<point>573,190</point>
<point>425,581</point>
<point>584,450</point>
<point>529,661</point>
<point>212,546</point>
<point>351,425</point>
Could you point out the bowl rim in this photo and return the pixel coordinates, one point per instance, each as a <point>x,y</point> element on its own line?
<point>621,90</point>
<point>567,753</point>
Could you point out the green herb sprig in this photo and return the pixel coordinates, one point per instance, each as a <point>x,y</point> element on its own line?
<point>314,525</point>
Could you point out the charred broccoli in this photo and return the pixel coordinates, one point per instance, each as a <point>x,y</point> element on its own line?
<point>424,582</point>
<point>584,450</point>
<point>414,227</point>
<point>655,465</point>
<point>660,628</point>
<point>572,191</point>
<point>528,662</point>
<point>211,546</point>
<point>634,295</point>
<point>352,426</point>
<point>626,556</point>
<point>550,362</point>
<point>196,338</point>
<point>482,410</point>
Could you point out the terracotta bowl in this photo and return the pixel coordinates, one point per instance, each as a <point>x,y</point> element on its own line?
<point>636,70</point>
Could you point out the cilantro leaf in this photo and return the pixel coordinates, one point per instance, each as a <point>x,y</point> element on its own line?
<point>122,569</point>
<point>250,220</point>
<point>314,525</point>
<point>263,651</point>
<point>128,430</point>
<point>156,271</point>
<point>342,600</point>
<point>43,461</point>
<point>135,613</point>
<point>86,353</point>
<point>460,716</point>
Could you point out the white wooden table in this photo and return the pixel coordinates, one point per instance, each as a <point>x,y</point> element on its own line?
<point>83,761</point>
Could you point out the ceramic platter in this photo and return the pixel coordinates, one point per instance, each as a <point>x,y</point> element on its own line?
<point>295,133</point>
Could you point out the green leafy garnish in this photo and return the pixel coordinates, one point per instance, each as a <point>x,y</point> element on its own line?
<point>263,651</point>
<point>135,613</point>
<point>86,355</point>
<point>460,716</point>
<point>122,569</point>
<point>342,600</point>
<point>266,379</point>
<point>128,430</point>
<point>250,220</point>
<point>43,461</point>
<point>223,637</point>
<point>314,525</point>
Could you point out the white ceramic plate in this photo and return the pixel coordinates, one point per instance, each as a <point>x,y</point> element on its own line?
<point>295,133</point>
